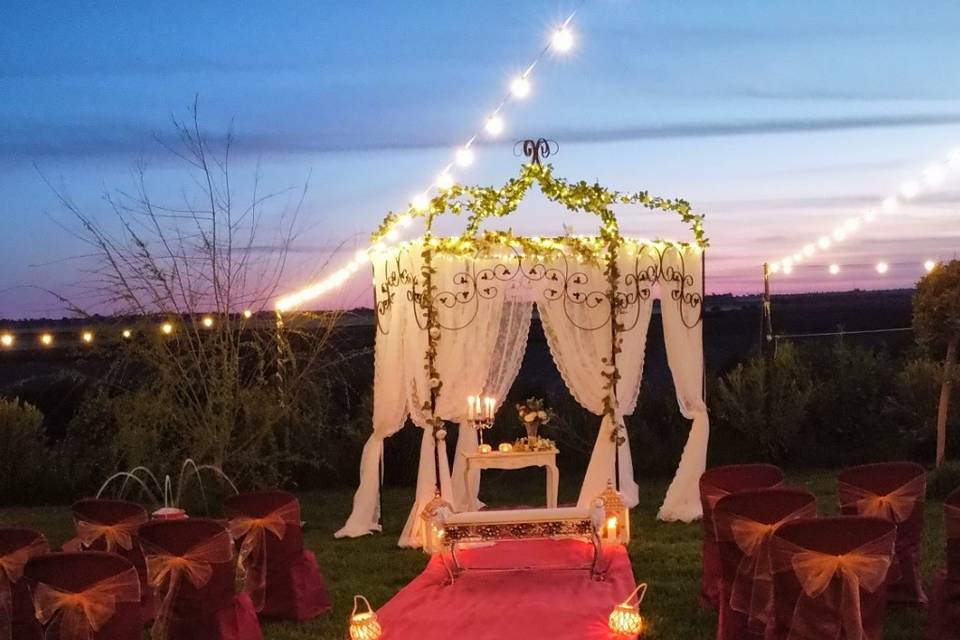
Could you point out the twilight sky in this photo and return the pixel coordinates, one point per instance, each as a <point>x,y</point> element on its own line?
<point>776,119</point>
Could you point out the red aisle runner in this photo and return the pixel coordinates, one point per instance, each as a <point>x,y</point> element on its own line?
<point>528,605</point>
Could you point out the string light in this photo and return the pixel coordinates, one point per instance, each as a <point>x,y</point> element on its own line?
<point>445,181</point>
<point>520,87</point>
<point>929,266</point>
<point>560,40</point>
<point>207,322</point>
<point>247,314</point>
<point>87,337</point>
<point>834,269</point>
<point>127,334</point>
<point>166,328</point>
<point>464,156</point>
<point>494,125</point>
<point>46,339</point>
<point>7,340</point>
<point>931,176</point>
<point>882,267</point>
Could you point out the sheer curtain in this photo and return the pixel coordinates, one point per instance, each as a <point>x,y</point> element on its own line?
<point>504,363</point>
<point>389,401</point>
<point>576,320</point>
<point>684,341</point>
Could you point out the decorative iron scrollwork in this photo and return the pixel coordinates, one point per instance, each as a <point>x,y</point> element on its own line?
<point>537,149</point>
<point>560,280</point>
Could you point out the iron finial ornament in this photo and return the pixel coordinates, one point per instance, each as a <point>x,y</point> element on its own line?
<point>536,149</point>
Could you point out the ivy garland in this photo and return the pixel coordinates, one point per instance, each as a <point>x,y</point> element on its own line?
<point>488,202</point>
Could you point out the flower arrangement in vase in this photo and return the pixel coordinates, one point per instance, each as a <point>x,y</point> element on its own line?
<point>533,415</point>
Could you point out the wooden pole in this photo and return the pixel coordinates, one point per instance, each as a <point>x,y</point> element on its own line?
<point>949,364</point>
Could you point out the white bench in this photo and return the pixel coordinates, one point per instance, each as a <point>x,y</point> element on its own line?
<point>583,523</point>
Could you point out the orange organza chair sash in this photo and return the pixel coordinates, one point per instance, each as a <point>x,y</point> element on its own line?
<point>830,600</point>
<point>115,535</point>
<point>166,571</point>
<point>711,494</point>
<point>252,560</point>
<point>81,614</point>
<point>895,506</point>
<point>951,520</point>
<point>11,570</point>
<point>752,588</point>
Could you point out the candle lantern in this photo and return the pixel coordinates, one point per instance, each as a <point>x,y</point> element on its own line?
<point>625,619</point>
<point>616,517</point>
<point>364,624</point>
<point>485,448</point>
<point>433,530</point>
<point>505,447</point>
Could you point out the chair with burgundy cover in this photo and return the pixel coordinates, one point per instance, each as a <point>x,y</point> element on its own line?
<point>282,577</point>
<point>112,525</point>
<point>829,578</point>
<point>714,484</point>
<point>894,491</point>
<point>745,523</point>
<point>943,620</point>
<point>193,573</point>
<point>17,620</point>
<point>93,595</point>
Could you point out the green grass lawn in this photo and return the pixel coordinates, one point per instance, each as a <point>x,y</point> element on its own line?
<point>666,555</point>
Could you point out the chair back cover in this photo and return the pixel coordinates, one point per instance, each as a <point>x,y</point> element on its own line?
<point>745,522</point>
<point>714,484</point>
<point>112,525</point>
<point>191,568</point>
<point>829,578</point>
<point>894,491</point>
<point>17,620</point>
<point>91,595</point>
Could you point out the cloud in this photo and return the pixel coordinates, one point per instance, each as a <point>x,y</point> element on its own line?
<point>36,140</point>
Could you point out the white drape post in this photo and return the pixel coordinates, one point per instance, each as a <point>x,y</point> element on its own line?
<point>389,407</point>
<point>683,334</point>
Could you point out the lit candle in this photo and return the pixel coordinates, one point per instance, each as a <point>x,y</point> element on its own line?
<point>470,414</point>
<point>612,527</point>
<point>485,448</point>
<point>505,447</point>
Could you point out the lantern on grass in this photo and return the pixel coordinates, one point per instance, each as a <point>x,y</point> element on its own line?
<point>364,624</point>
<point>625,619</point>
<point>616,517</point>
<point>433,530</point>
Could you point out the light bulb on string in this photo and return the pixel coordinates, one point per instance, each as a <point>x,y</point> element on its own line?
<point>787,268</point>
<point>494,125</point>
<point>419,202</point>
<point>46,339</point>
<point>929,266</point>
<point>361,257</point>
<point>870,215</point>
<point>909,189</point>
<point>834,269</point>
<point>127,334</point>
<point>464,156</point>
<point>774,267</point>
<point>809,250</point>
<point>934,174</point>
<point>824,242</point>
<point>445,181</point>
<point>562,40</point>
<point>520,87</point>
<point>882,267</point>
<point>839,235</point>
<point>87,336</point>
<point>7,340</point>
<point>890,204</point>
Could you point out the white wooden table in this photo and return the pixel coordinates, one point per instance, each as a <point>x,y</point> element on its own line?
<point>513,460</point>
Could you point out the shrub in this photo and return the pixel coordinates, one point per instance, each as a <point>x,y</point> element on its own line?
<point>743,397</point>
<point>944,480</point>
<point>24,456</point>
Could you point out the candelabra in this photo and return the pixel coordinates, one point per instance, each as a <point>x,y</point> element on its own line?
<point>480,414</point>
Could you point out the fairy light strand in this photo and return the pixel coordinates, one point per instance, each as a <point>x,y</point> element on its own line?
<point>519,87</point>
<point>931,177</point>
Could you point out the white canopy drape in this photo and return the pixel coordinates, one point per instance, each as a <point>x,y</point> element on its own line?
<point>484,313</point>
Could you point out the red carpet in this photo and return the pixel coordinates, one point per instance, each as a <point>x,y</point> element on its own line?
<point>528,605</point>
